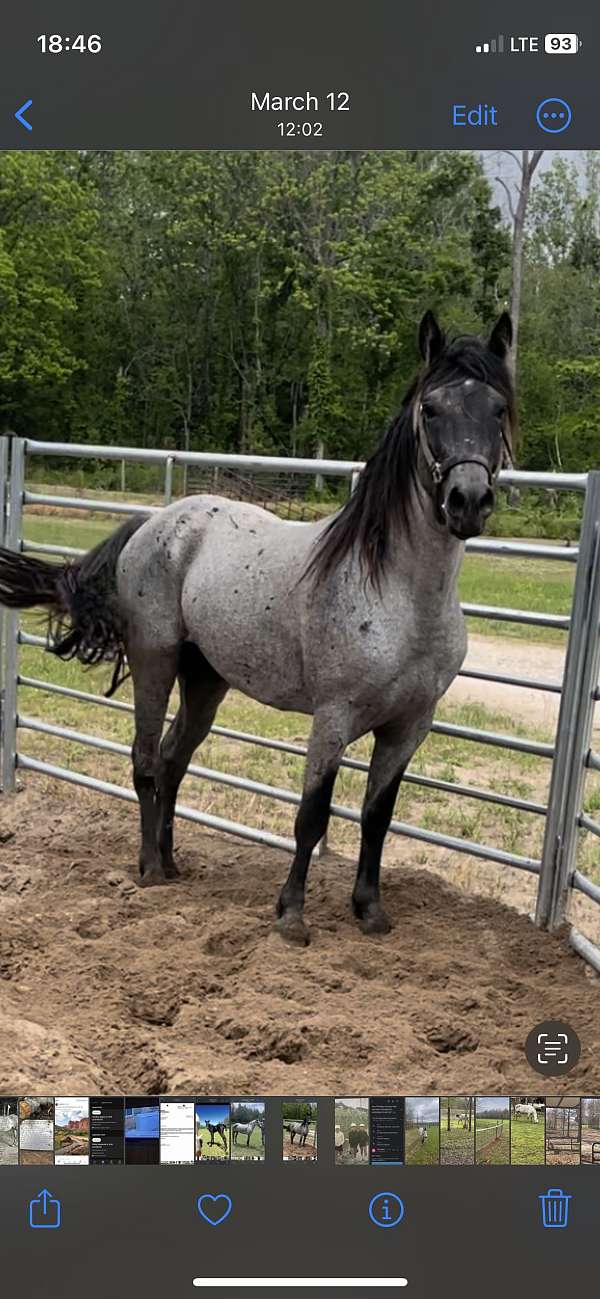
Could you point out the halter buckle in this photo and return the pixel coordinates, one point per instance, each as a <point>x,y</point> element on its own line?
<point>436,472</point>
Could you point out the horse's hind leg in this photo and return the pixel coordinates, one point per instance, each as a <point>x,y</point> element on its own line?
<point>394,747</point>
<point>325,752</point>
<point>153,675</point>
<point>201,690</point>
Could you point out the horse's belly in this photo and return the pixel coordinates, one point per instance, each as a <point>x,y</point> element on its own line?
<point>251,645</point>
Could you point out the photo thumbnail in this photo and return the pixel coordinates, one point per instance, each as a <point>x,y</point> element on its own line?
<point>590,1130</point>
<point>527,1130</point>
<point>213,1134</point>
<point>36,1130</point>
<point>142,1130</point>
<point>352,1121</point>
<point>492,1130</point>
<point>300,1122</point>
<point>563,1130</point>
<point>71,1130</point>
<point>457,1130</point>
<point>248,1130</point>
<point>422,1129</point>
<point>9,1130</point>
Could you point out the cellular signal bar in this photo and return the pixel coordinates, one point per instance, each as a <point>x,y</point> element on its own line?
<point>495,46</point>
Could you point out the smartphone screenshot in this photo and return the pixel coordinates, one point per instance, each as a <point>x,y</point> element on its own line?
<point>299,648</point>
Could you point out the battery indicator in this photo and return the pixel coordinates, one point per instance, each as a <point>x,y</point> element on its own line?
<point>562,43</point>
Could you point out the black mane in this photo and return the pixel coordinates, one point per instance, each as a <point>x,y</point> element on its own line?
<point>384,493</point>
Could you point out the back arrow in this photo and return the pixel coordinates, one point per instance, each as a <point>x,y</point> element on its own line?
<point>19,114</point>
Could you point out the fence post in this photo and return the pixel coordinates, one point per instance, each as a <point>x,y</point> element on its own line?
<point>12,539</point>
<point>168,480</point>
<point>575,719</point>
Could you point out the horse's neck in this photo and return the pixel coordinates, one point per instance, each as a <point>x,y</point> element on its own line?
<point>427,561</point>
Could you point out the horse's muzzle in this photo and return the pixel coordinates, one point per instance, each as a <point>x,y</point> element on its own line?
<point>468,500</point>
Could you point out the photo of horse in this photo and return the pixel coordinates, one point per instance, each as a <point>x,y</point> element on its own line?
<point>527,1130</point>
<point>213,1134</point>
<point>248,1130</point>
<point>297,495</point>
<point>299,1127</point>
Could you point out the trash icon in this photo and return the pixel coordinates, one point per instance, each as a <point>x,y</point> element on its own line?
<point>555,1208</point>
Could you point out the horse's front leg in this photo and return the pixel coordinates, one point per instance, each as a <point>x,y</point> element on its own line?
<point>325,751</point>
<point>394,748</point>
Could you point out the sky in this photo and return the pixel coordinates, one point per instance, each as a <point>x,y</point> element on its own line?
<point>73,1107</point>
<point>424,1108</point>
<point>498,163</point>
<point>485,1104</point>
<point>214,1113</point>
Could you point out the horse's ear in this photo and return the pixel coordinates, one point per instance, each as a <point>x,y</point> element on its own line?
<point>501,336</point>
<point>431,339</point>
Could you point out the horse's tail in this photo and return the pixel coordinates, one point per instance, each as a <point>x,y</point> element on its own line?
<point>83,617</point>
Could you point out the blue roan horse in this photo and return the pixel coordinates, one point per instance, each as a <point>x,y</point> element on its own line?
<point>354,620</point>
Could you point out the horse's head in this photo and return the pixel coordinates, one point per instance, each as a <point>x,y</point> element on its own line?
<point>463,416</point>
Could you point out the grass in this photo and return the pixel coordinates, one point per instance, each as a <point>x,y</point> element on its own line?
<point>422,1152</point>
<point>240,1150</point>
<point>496,1151</point>
<point>527,1141</point>
<point>217,1150</point>
<point>543,586</point>
<point>457,1144</point>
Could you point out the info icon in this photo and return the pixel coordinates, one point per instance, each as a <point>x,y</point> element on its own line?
<point>553,1048</point>
<point>386,1209</point>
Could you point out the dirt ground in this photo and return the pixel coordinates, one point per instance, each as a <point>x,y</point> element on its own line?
<point>187,989</point>
<point>516,658</point>
<point>292,1150</point>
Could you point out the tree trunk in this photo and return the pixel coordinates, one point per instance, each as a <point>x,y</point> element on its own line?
<point>528,165</point>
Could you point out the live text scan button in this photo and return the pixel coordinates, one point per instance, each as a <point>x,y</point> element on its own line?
<point>553,1048</point>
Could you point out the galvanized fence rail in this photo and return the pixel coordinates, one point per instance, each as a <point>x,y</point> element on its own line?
<point>570,754</point>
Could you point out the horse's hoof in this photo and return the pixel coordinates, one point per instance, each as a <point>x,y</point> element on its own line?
<point>155,875</point>
<point>292,927</point>
<point>172,871</point>
<point>374,921</point>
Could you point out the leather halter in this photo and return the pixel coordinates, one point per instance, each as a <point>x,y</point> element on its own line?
<point>439,469</point>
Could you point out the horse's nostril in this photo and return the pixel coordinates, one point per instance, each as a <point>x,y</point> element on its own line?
<point>487,501</point>
<point>456,500</point>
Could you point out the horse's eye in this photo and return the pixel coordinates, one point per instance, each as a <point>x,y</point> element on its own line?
<point>429,410</point>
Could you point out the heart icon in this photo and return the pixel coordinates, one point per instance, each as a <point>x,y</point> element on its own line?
<point>214,1208</point>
